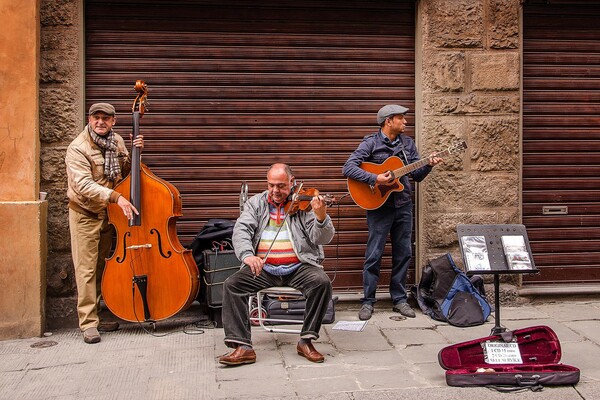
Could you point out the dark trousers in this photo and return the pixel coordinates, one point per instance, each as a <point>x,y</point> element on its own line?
<point>397,222</point>
<point>310,280</point>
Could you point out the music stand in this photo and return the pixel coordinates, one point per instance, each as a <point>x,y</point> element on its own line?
<point>495,250</point>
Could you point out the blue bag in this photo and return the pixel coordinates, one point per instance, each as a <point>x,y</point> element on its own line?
<point>445,293</point>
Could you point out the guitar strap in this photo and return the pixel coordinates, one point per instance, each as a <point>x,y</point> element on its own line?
<point>399,151</point>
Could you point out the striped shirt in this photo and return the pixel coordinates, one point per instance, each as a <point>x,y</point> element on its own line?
<point>282,259</point>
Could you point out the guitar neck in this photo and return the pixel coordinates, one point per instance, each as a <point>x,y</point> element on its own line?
<point>417,164</point>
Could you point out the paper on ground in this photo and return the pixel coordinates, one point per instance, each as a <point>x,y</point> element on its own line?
<point>356,326</point>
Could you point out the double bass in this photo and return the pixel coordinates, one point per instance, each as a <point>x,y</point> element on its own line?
<point>150,276</point>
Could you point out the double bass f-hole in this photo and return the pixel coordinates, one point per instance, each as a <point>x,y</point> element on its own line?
<point>156,232</point>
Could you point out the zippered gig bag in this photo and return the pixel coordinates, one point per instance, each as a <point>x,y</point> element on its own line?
<point>523,358</point>
<point>292,309</point>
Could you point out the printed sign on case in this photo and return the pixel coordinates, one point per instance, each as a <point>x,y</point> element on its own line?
<point>502,353</point>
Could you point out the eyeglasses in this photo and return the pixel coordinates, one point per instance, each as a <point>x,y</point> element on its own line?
<point>104,118</point>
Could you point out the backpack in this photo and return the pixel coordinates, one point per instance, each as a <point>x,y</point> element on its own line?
<point>445,293</point>
<point>213,233</point>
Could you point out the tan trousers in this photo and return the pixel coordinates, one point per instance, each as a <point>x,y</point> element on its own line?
<point>91,239</point>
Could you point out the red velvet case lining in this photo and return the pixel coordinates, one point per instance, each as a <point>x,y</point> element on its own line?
<point>539,347</point>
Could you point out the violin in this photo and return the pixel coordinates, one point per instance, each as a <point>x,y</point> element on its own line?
<point>300,200</point>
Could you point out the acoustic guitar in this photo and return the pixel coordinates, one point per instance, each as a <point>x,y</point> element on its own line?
<point>372,197</point>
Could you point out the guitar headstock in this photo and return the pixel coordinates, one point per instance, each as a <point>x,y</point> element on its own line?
<point>459,146</point>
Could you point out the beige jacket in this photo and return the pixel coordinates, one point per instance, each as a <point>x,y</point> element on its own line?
<point>89,191</point>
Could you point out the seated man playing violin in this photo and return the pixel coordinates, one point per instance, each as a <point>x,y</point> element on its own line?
<point>290,256</point>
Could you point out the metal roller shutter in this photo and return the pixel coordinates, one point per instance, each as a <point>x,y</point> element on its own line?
<point>561,140</point>
<point>237,85</point>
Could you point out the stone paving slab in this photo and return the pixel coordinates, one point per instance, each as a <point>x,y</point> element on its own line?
<point>517,313</point>
<point>589,329</point>
<point>583,355</point>
<point>389,359</point>
<point>566,312</point>
<point>413,336</point>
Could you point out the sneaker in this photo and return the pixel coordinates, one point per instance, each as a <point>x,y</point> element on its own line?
<point>365,312</point>
<point>108,326</point>
<point>91,335</point>
<point>404,309</point>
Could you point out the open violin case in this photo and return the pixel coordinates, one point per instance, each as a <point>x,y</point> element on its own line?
<point>521,358</point>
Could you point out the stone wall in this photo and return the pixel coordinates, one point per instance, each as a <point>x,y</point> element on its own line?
<point>469,60</point>
<point>467,89</point>
<point>61,119</point>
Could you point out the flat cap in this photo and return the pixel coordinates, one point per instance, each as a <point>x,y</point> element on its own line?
<point>388,111</point>
<point>106,108</point>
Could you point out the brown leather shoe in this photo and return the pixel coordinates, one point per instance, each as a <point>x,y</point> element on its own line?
<point>108,326</point>
<point>239,356</point>
<point>308,351</point>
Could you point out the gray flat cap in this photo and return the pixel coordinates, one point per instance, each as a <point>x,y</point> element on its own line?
<point>106,108</point>
<point>388,111</point>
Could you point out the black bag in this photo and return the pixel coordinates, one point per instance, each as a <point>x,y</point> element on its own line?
<point>290,308</point>
<point>215,230</point>
<point>215,235</point>
<point>446,294</point>
<point>218,266</point>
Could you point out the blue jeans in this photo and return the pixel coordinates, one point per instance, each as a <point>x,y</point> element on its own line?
<point>398,223</point>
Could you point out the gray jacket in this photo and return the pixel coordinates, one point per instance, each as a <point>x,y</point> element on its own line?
<point>307,234</point>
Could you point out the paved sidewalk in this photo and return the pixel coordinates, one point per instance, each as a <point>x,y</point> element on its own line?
<point>390,359</point>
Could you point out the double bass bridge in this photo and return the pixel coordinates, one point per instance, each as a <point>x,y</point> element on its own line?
<point>126,247</point>
<point>140,246</point>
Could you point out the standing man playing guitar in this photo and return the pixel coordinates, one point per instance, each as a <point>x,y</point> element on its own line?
<point>394,214</point>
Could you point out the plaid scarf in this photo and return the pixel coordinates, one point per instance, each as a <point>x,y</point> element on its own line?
<point>108,144</point>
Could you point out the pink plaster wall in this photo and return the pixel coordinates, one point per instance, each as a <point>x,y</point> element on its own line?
<point>19,93</point>
<point>23,218</point>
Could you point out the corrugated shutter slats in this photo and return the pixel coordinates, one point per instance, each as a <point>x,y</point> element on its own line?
<point>561,140</point>
<point>237,85</point>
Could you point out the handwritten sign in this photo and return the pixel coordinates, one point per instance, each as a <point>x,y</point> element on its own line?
<point>502,353</point>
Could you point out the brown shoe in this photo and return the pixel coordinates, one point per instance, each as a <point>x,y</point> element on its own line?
<point>308,351</point>
<point>91,335</point>
<point>107,326</point>
<point>239,356</point>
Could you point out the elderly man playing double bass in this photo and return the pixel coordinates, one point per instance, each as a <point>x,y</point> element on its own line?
<point>293,255</point>
<point>96,161</point>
